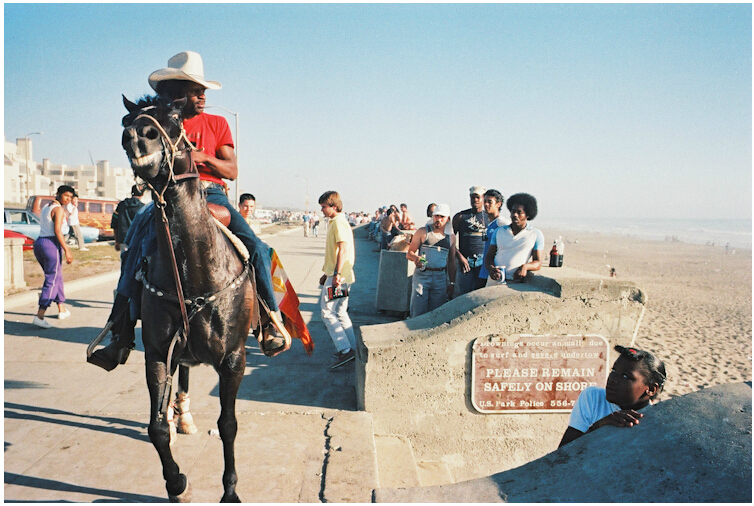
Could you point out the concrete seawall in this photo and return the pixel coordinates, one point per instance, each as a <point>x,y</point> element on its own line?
<point>414,376</point>
<point>674,455</point>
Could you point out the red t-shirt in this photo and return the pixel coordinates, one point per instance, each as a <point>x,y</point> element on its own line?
<point>208,132</point>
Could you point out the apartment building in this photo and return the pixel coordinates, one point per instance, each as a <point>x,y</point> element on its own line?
<point>23,176</point>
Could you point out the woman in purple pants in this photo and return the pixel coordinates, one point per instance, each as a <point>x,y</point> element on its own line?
<point>48,249</point>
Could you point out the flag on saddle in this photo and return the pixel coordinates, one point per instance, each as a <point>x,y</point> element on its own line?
<point>288,302</point>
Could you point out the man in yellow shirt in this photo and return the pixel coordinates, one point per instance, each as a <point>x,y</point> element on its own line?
<point>339,260</point>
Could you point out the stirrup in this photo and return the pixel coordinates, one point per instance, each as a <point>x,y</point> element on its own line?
<point>277,324</point>
<point>98,339</point>
<point>101,358</point>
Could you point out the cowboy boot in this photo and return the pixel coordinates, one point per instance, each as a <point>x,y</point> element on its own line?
<point>122,341</point>
<point>274,338</point>
<point>117,351</point>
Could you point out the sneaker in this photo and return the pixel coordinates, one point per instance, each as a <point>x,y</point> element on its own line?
<point>41,322</point>
<point>65,314</point>
<point>343,358</point>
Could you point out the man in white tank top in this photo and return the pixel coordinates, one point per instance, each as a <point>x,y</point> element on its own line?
<point>433,251</point>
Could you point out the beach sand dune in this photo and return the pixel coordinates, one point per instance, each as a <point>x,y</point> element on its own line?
<point>699,307</point>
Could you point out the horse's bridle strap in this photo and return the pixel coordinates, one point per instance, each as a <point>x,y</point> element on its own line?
<point>174,151</point>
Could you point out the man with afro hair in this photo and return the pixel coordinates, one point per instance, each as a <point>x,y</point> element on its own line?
<point>518,247</point>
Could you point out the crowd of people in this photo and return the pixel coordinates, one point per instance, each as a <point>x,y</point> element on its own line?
<point>455,254</point>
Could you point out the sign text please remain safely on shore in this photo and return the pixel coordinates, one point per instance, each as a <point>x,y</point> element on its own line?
<point>526,373</point>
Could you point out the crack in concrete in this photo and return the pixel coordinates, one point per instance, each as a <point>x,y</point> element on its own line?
<point>326,460</point>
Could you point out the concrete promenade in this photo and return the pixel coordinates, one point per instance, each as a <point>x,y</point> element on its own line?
<point>74,432</point>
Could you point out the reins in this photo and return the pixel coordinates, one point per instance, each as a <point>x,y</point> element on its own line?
<point>161,205</point>
<point>180,299</point>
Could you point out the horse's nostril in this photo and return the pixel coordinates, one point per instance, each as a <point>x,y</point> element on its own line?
<point>151,133</point>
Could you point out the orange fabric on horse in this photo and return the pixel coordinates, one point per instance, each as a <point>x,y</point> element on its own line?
<point>288,302</point>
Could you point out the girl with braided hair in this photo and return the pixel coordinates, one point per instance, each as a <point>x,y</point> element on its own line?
<point>636,379</point>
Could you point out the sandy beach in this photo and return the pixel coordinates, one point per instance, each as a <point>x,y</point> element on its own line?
<point>698,314</point>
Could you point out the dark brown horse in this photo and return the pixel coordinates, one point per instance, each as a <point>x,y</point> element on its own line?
<point>199,300</point>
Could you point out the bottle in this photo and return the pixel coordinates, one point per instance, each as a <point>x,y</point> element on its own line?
<point>561,248</point>
<point>554,256</point>
<point>423,261</point>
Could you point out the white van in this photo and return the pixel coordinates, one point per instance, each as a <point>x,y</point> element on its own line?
<point>264,215</point>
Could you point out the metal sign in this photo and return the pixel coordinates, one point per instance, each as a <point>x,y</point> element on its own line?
<point>525,373</point>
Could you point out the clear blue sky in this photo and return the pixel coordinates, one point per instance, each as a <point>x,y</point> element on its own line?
<point>618,110</point>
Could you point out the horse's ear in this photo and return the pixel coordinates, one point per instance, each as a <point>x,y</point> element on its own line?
<point>179,103</point>
<point>129,105</point>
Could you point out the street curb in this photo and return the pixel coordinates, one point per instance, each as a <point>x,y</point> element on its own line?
<point>31,296</point>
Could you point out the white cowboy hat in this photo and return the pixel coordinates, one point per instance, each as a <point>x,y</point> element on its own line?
<point>185,66</point>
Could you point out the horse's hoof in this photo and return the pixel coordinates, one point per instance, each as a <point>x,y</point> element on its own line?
<point>231,498</point>
<point>184,496</point>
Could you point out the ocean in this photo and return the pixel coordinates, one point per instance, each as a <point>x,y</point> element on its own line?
<point>735,233</point>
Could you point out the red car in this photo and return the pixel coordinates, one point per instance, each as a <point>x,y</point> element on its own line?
<point>28,241</point>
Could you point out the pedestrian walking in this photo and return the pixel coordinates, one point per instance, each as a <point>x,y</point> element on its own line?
<point>339,260</point>
<point>48,250</point>
<point>315,225</point>
<point>73,222</point>
<point>306,224</point>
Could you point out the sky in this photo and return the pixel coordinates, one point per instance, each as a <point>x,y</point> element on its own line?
<point>621,110</point>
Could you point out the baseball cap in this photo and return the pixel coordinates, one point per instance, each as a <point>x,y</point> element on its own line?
<point>477,190</point>
<point>442,210</point>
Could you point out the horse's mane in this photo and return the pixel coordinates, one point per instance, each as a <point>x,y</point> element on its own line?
<point>148,101</point>
<point>155,100</point>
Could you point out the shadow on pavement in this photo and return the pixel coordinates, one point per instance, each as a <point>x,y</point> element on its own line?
<point>45,484</point>
<point>119,426</point>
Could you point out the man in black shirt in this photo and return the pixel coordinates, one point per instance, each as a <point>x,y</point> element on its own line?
<point>471,226</point>
<point>124,215</point>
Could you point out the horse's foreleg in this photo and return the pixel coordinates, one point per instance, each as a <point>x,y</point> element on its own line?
<point>184,422</point>
<point>176,483</point>
<point>231,373</point>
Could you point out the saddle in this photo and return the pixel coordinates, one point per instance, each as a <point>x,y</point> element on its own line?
<point>219,213</point>
<point>222,219</point>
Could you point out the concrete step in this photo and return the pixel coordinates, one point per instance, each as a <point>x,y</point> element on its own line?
<point>396,467</point>
<point>433,473</point>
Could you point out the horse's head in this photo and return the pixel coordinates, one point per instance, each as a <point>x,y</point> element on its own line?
<point>152,137</point>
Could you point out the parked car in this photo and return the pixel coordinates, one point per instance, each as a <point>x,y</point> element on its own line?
<point>28,241</point>
<point>24,222</point>
<point>93,212</point>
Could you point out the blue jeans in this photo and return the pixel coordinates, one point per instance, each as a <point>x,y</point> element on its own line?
<point>259,252</point>
<point>428,291</point>
<point>470,281</point>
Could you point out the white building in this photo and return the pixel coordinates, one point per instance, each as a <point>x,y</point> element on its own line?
<point>98,180</point>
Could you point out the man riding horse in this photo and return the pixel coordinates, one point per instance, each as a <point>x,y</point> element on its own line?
<point>215,160</point>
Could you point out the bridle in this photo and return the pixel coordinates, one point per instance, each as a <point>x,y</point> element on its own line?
<point>167,142</point>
